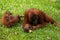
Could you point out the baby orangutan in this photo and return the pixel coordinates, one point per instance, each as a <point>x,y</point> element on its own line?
<point>35,18</point>
<point>9,20</point>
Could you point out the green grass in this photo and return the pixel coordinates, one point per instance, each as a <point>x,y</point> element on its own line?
<point>18,7</point>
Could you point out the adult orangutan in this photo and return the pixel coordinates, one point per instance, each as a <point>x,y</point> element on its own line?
<point>35,18</point>
<point>9,20</point>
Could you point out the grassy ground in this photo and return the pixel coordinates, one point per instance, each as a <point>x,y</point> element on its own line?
<point>50,32</point>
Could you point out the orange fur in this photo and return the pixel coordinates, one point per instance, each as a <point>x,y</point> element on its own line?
<point>9,20</point>
<point>35,18</point>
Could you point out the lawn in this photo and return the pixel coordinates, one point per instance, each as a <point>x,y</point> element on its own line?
<point>18,7</point>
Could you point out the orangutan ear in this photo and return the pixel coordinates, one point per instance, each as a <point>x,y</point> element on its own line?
<point>6,18</point>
